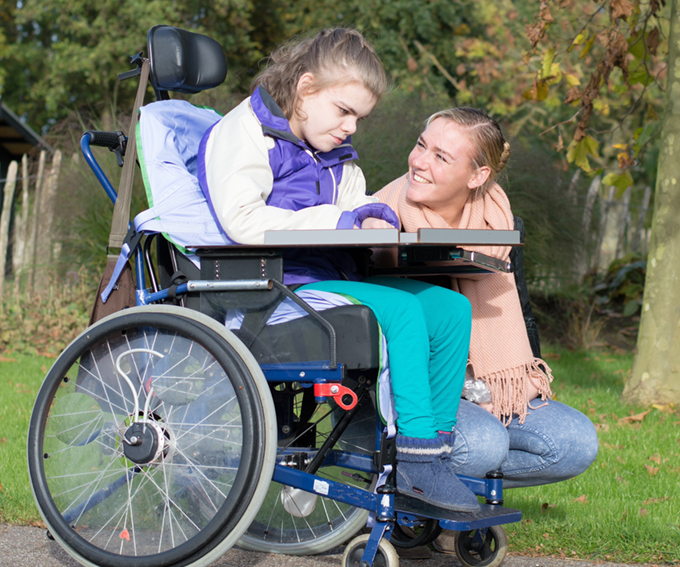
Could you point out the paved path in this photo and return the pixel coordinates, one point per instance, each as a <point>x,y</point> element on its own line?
<point>29,547</point>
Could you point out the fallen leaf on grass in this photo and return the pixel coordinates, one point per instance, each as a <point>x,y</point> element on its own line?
<point>634,418</point>
<point>656,458</point>
<point>3,440</point>
<point>656,500</point>
<point>601,426</point>
<point>545,506</point>
<point>546,536</point>
<point>0,486</point>
<point>652,470</point>
<point>643,512</point>
<point>6,359</point>
<point>581,499</point>
<point>664,408</point>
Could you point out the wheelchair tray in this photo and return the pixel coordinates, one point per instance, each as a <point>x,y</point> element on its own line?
<point>488,516</point>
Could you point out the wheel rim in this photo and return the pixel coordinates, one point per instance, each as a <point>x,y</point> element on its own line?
<point>283,524</point>
<point>188,400</point>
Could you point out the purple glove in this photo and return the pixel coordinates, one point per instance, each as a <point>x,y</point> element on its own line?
<point>377,211</point>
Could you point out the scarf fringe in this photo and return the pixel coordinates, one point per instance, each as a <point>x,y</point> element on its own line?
<point>509,388</point>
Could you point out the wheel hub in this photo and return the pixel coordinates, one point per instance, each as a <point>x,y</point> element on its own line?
<point>143,442</point>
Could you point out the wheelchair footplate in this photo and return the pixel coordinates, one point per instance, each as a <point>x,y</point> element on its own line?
<point>489,515</point>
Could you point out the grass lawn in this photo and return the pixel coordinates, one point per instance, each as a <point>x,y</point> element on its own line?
<point>625,508</point>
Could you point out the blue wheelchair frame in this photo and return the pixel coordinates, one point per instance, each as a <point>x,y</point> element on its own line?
<point>388,507</point>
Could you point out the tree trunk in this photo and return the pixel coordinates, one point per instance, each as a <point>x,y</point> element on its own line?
<point>10,185</point>
<point>656,370</point>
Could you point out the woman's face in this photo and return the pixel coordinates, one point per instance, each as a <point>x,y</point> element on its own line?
<point>440,169</point>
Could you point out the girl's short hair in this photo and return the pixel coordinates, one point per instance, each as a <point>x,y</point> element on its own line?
<point>334,56</point>
<point>489,146</point>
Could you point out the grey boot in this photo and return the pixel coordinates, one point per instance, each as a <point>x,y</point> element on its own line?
<point>422,473</point>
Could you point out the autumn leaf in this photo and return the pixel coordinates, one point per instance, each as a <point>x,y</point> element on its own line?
<point>620,9</point>
<point>578,152</point>
<point>653,40</point>
<point>581,499</point>
<point>634,418</point>
<point>656,500</point>
<point>619,180</point>
<point>652,470</point>
<point>545,506</point>
<point>643,512</point>
<point>573,94</point>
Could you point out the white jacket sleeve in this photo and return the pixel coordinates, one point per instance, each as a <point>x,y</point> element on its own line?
<point>240,180</point>
<point>352,189</point>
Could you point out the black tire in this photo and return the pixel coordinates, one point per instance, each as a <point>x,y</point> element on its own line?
<point>421,534</point>
<point>485,547</point>
<point>150,441</point>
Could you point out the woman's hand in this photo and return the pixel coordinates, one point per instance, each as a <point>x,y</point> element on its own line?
<point>372,222</point>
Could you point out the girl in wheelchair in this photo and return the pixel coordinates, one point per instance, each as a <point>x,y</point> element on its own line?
<point>283,160</point>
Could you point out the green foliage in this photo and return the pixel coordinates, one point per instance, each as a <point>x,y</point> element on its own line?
<point>65,55</point>
<point>622,286</point>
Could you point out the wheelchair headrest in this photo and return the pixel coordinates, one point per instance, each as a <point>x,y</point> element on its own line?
<point>184,61</point>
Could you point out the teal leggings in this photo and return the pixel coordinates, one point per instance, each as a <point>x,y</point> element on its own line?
<point>427,329</point>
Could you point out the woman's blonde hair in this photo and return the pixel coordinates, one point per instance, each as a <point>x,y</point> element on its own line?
<point>333,56</point>
<point>489,147</point>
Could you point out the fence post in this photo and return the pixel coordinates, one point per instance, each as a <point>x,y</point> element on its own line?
<point>31,249</point>
<point>5,217</point>
<point>19,258</point>
<point>43,249</point>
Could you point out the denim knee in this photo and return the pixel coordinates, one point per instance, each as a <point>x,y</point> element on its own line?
<point>481,441</point>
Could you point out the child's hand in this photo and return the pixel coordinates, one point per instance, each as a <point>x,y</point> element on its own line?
<point>372,222</point>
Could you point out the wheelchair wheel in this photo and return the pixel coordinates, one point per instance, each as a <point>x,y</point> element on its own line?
<point>422,533</point>
<point>152,441</point>
<point>385,557</point>
<point>297,523</point>
<point>482,548</point>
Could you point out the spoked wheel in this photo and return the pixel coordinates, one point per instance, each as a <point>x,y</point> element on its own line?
<point>420,534</point>
<point>482,548</point>
<point>386,556</point>
<point>152,441</point>
<point>300,523</point>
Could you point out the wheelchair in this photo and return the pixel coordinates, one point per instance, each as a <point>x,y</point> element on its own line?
<point>160,437</point>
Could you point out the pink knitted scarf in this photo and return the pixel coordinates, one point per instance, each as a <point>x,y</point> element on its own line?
<point>500,353</point>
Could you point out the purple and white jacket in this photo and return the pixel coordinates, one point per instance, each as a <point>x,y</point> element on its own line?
<point>258,176</point>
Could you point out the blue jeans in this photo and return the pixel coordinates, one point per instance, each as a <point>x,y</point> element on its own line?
<point>555,443</point>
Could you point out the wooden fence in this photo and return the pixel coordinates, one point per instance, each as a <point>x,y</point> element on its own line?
<point>33,248</point>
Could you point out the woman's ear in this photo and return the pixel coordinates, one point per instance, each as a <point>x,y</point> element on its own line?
<point>305,84</point>
<point>479,177</point>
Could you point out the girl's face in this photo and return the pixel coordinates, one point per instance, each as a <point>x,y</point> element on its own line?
<point>325,118</point>
<point>441,173</point>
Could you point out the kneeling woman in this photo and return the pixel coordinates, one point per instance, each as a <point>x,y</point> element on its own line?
<point>450,184</point>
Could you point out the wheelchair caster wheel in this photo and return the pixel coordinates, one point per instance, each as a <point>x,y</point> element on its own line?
<point>482,548</point>
<point>385,557</point>
<point>421,534</point>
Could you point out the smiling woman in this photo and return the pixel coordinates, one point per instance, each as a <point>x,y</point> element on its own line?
<point>514,426</point>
